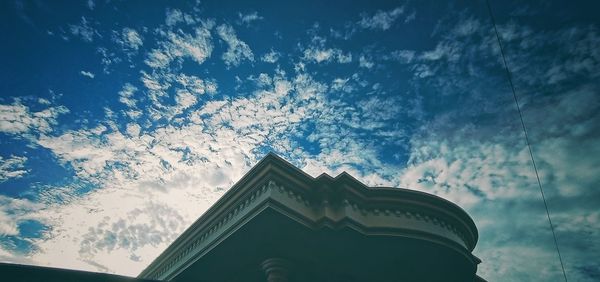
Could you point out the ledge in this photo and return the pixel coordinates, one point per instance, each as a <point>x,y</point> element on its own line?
<point>321,202</point>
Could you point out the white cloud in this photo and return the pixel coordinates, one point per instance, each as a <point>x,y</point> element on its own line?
<point>158,59</point>
<point>488,172</point>
<point>129,39</point>
<point>363,62</point>
<point>237,50</point>
<point>573,54</point>
<point>43,101</point>
<point>198,48</point>
<point>83,30</point>
<point>196,85</point>
<point>468,172</point>
<point>18,119</point>
<point>133,129</point>
<point>129,214</point>
<point>344,58</point>
<point>126,95</point>
<point>175,16</point>
<point>108,58</point>
<point>320,55</point>
<point>6,255</point>
<point>143,173</point>
<point>133,113</point>
<point>12,167</point>
<point>161,88</point>
<point>145,170</point>
<point>340,84</point>
<point>180,45</point>
<point>381,19</point>
<point>262,80</point>
<point>466,27</point>
<point>271,57</point>
<point>563,144</point>
<point>111,225</point>
<point>403,56</point>
<point>318,52</point>
<point>13,211</point>
<point>249,18</point>
<point>80,151</point>
<point>446,50</point>
<point>87,74</point>
<point>184,100</point>
<point>503,263</point>
<point>491,176</point>
<point>411,17</point>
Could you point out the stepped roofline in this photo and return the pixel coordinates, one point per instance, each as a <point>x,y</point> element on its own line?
<point>322,202</point>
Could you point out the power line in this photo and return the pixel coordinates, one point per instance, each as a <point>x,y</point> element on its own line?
<point>512,87</point>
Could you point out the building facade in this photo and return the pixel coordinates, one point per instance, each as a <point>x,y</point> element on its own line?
<point>279,224</point>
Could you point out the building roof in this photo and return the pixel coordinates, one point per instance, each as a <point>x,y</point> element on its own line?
<point>28,273</point>
<point>275,201</point>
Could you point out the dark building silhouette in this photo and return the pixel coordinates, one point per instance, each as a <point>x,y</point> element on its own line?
<point>30,273</point>
<point>279,224</point>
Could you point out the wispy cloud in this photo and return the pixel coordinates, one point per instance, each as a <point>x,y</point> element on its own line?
<point>326,55</point>
<point>196,85</point>
<point>83,30</point>
<point>318,52</point>
<point>382,20</point>
<point>179,45</point>
<point>403,56</point>
<point>175,16</point>
<point>364,62</point>
<point>410,17</point>
<point>14,211</point>
<point>237,50</point>
<point>449,51</point>
<point>129,39</point>
<point>271,57</point>
<point>157,167</point>
<point>87,74</point>
<point>18,119</point>
<point>126,95</point>
<point>175,134</point>
<point>249,18</point>
<point>12,167</point>
<point>495,168</point>
<point>90,4</point>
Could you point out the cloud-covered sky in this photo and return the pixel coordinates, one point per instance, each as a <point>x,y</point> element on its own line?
<point>122,122</point>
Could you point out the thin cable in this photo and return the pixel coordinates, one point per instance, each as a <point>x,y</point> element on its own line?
<point>512,87</point>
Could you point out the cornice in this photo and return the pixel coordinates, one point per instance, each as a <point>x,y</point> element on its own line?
<point>318,203</point>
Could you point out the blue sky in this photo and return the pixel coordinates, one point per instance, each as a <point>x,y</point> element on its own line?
<point>121,122</point>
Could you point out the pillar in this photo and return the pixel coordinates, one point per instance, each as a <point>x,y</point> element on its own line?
<point>276,269</point>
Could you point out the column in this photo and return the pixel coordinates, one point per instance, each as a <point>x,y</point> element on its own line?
<point>276,269</point>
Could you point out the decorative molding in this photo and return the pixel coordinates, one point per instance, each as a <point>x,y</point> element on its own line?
<point>204,237</point>
<point>317,202</point>
<point>196,245</point>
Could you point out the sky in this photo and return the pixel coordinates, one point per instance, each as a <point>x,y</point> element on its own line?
<point>121,122</point>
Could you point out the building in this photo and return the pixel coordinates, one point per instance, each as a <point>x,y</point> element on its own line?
<point>279,224</point>
<point>31,273</point>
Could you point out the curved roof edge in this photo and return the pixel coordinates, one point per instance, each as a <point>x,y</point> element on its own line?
<point>342,190</point>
